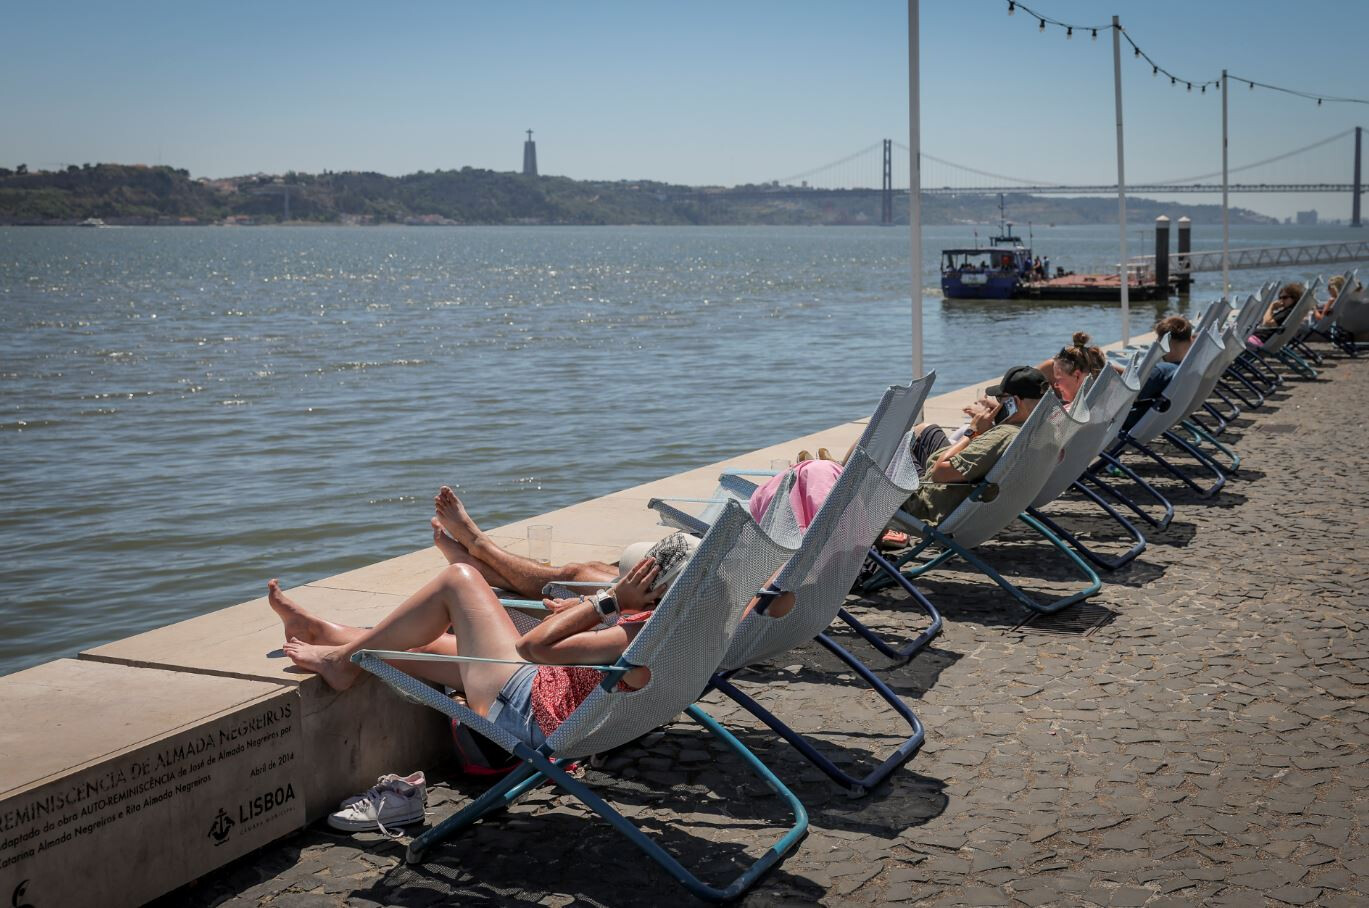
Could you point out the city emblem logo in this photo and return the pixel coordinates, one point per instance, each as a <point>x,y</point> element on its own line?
<point>222,824</point>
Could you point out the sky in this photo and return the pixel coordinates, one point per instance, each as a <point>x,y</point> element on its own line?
<point>701,93</point>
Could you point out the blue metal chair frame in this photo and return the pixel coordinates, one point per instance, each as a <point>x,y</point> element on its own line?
<point>950,548</point>
<point>539,765</point>
<point>1107,461</point>
<point>1125,441</point>
<point>1107,563</point>
<point>856,786</point>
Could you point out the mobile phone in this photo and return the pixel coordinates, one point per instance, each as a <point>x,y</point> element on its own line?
<point>1007,409</point>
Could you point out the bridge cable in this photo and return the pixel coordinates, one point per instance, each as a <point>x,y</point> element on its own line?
<point>1280,157</point>
<point>829,166</point>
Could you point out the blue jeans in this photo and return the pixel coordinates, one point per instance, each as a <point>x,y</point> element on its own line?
<point>512,708</point>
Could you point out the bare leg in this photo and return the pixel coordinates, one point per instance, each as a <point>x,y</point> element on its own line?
<point>522,575</point>
<point>457,597</point>
<point>306,627</point>
<point>456,553</point>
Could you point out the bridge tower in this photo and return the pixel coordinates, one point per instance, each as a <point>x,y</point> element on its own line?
<point>886,195</point>
<point>1354,204</point>
<point>529,157</point>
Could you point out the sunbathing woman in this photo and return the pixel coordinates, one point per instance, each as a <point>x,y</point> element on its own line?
<point>527,700</point>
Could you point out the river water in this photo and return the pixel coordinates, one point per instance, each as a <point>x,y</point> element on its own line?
<point>187,412</point>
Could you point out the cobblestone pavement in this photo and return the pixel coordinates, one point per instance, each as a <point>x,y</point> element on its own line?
<point>1195,734</point>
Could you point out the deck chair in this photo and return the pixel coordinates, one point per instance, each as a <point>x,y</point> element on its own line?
<point>1277,344</point>
<point>1352,316</point>
<point>682,644</point>
<point>1236,380</point>
<point>1102,404</point>
<point>1135,371</point>
<point>1328,328</point>
<point>1179,397</point>
<point>893,417</point>
<point>999,498</point>
<point>828,559</point>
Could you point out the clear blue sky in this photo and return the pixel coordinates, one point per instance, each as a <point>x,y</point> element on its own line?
<point>704,92</point>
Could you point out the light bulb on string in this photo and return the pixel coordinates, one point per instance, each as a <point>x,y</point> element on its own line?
<point>1154,70</point>
<point>1042,26</point>
<point>1171,80</point>
<point>1319,104</point>
<point>1190,86</point>
<point>1012,7</point>
<point>1069,32</point>
<point>1095,34</point>
<point>1204,89</point>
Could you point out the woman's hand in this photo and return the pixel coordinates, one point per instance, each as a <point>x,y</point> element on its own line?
<point>634,592</point>
<point>556,606</point>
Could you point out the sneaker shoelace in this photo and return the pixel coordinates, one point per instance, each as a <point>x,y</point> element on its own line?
<point>371,808</point>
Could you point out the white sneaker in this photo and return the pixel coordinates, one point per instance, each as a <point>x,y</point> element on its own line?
<point>393,802</point>
<point>386,783</point>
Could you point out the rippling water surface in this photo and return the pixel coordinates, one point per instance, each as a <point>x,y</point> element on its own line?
<point>186,412</point>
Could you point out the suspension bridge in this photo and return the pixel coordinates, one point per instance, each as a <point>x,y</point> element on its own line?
<point>875,170</point>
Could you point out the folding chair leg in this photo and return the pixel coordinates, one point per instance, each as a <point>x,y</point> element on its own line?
<point>1233,409</point>
<point>1301,346</point>
<point>1103,561</point>
<point>908,650</point>
<point>1297,363</point>
<point>1202,435</point>
<point>1259,365</point>
<point>856,787</point>
<point>1229,383</point>
<point>1110,459</point>
<point>1174,471</point>
<point>539,764</point>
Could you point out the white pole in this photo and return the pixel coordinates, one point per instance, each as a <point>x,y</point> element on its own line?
<point>915,180</point>
<point>1226,212</point>
<point>1121,178</point>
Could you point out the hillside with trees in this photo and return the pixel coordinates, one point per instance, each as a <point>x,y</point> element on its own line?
<point>139,194</point>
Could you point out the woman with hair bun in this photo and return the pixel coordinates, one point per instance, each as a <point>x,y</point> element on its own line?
<point>1067,370</point>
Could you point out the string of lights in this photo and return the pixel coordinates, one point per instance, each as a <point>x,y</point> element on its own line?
<point>1157,70</point>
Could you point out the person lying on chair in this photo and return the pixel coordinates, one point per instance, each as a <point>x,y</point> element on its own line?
<point>1180,331</point>
<point>461,541</point>
<point>1067,370</point>
<point>951,467</point>
<point>532,682</point>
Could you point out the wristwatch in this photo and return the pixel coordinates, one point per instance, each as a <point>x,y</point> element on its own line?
<point>970,433</point>
<point>606,605</point>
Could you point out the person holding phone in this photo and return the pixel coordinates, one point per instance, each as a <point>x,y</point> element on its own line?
<point>951,468</point>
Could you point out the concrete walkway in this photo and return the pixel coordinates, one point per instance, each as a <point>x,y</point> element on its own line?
<point>1196,734</point>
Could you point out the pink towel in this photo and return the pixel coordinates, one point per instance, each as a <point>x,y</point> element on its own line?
<point>813,481</point>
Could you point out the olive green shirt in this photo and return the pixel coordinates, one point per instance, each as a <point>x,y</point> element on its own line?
<point>934,501</point>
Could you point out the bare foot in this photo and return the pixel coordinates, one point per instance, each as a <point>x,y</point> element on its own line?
<point>328,662</point>
<point>451,514</point>
<point>453,551</point>
<point>303,625</point>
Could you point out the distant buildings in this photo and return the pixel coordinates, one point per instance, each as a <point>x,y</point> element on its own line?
<point>529,157</point>
<point>1307,218</point>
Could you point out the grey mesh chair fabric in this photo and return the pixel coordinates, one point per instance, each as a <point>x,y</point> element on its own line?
<point>1018,476</point>
<point>1002,496</point>
<point>828,559</point>
<point>682,644</point>
<point>1280,338</point>
<point>1101,407</point>
<point>1352,311</point>
<point>1181,390</point>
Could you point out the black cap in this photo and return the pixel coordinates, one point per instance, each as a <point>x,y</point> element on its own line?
<point>1021,381</point>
